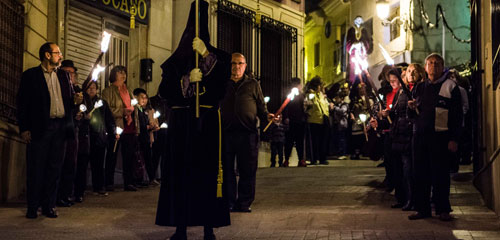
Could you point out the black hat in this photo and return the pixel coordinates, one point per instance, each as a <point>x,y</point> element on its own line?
<point>68,63</point>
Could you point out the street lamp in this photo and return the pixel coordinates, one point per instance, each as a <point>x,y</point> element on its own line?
<point>383,9</point>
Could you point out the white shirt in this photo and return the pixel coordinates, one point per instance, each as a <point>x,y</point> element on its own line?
<point>56,101</point>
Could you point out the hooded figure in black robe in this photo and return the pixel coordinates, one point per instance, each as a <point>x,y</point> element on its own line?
<point>188,195</point>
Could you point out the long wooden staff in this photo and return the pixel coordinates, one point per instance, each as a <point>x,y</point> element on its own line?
<point>197,28</point>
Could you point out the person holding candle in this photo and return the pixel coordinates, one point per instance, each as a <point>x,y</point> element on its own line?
<point>317,109</point>
<point>120,99</point>
<point>95,127</point>
<point>147,124</point>
<point>45,100</point>
<point>67,180</point>
<point>193,191</point>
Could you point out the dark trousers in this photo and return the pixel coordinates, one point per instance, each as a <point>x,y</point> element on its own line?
<point>146,151</point>
<point>319,142</point>
<point>388,161</point>
<point>402,176</point>
<point>339,141</point>
<point>68,169</point>
<point>295,136</point>
<point>431,169</point>
<point>277,149</point>
<point>128,146</point>
<point>159,151</point>
<point>96,160</point>
<point>44,159</point>
<point>241,148</point>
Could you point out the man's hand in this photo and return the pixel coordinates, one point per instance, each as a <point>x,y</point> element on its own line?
<point>78,98</point>
<point>199,47</point>
<point>270,116</point>
<point>452,146</point>
<point>26,136</point>
<point>195,75</point>
<point>412,104</point>
<point>117,137</point>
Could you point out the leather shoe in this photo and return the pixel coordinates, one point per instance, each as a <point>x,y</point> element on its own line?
<point>50,213</point>
<point>445,217</point>
<point>397,205</point>
<point>130,188</point>
<point>302,163</point>
<point>418,215</point>
<point>63,203</point>
<point>324,163</point>
<point>32,213</point>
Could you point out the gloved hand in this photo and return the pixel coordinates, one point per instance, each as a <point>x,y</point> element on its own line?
<point>199,46</point>
<point>195,75</point>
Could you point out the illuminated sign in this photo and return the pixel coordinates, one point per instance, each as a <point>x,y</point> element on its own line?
<point>139,8</point>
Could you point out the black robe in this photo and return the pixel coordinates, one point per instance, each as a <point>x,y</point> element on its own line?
<point>188,194</point>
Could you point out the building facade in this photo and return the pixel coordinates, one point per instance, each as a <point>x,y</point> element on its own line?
<point>76,26</point>
<point>407,39</point>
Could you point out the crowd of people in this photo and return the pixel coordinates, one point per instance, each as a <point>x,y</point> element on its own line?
<point>416,122</point>
<point>208,142</point>
<point>69,127</point>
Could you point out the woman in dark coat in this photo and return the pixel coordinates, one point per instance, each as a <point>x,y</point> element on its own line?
<point>190,195</point>
<point>93,135</point>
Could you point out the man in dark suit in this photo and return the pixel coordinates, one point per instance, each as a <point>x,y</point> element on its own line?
<point>44,105</point>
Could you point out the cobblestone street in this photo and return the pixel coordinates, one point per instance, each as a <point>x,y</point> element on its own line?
<point>341,201</point>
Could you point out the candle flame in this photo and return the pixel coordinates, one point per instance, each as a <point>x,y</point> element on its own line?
<point>83,108</point>
<point>362,117</point>
<point>97,70</point>
<point>105,41</point>
<point>133,102</point>
<point>163,125</point>
<point>266,99</point>
<point>311,96</point>
<point>156,115</point>
<point>388,58</point>
<point>119,130</point>
<point>98,104</point>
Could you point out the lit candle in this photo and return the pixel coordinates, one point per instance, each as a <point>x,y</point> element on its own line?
<point>97,105</point>
<point>363,117</point>
<point>83,108</point>
<point>119,131</point>
<point>290,97</point>
<point>133,102</point>
<point>156,115</point>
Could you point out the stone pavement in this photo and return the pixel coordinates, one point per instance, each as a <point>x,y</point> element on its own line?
<point>339,201</point>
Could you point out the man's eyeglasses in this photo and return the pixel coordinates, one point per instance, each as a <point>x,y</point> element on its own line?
<point>58,53</point>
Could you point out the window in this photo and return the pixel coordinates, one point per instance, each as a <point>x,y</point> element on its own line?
<point>316,54</point>
<point>395,28</point>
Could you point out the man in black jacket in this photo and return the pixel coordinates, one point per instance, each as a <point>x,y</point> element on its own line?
<point>244,102</point>
<point>437,131</point>
<point>44,105</point>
